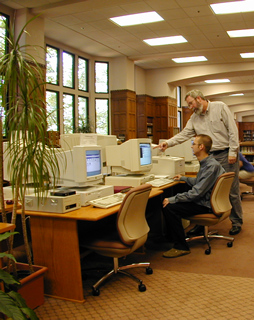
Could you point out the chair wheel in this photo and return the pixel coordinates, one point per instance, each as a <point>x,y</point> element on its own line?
<point>142,287</point>
<point>230,244</point>
<point>208,251</point>
<point>96,292</point>
<point>149,270</point>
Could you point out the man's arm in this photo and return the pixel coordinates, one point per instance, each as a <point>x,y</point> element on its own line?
<point>204,183</point>
<point>187,133</point>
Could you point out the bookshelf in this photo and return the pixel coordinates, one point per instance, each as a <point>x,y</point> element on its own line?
<point>247,149</point>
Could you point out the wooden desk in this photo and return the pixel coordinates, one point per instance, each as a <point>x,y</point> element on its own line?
<point>56,246</point>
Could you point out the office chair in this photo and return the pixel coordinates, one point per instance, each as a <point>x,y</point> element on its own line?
<point>249,182</point>
<point>131,233</point>
<point>221,207</point>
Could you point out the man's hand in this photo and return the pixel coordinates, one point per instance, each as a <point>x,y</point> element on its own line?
<point>231,160</point>
<point>165,202</point>
<point>162,146</point>
<point>177,177</point>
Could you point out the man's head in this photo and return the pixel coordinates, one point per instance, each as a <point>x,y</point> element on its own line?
<point>202,144</point>
<point>195,100</point>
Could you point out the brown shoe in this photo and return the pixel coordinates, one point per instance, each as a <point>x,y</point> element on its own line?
<point>174,253</point>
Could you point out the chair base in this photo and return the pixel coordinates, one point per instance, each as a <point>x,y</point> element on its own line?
<point>211,235</point>
<point>117,269</point>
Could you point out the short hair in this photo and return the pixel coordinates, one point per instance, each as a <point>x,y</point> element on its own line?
<point>206,141</point>
<point>194,94</point>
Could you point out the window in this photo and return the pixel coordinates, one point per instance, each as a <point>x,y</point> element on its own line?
<point>68,113</point>
<point>179,119</point>
<point>67,95</point>
<point>101,77</point>
<point>101,108</point>
<point>52,60</point>
<point>68,70</point>
<point>82,74</point>
<point>178,96</point>
<point>52,105</point>
<point>82,111</point>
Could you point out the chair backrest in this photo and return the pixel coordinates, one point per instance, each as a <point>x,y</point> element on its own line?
<point>131,220</point>
<point>220,195</point>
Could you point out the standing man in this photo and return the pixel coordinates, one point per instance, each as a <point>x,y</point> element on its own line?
<point>215,120</point>
<point>195,201</point>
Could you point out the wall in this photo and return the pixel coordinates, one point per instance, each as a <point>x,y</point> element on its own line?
<point>122,76</point>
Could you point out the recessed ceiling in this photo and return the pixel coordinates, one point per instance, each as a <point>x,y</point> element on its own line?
<point>85,25</point>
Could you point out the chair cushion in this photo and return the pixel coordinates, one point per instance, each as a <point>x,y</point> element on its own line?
<point>108,241</point>
<point>207,219</point>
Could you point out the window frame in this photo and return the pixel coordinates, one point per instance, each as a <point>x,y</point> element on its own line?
<point>107,63</point>
<point>73,71</point>
<point>58,65</point>
<point>57,107</point>
<point>108,107</point>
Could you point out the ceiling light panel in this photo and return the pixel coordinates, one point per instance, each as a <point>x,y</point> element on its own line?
<point>233,7</point>
<point>217,81</point>
<point>165,40</point>
<point>190,59</point>
<point>241,33</point>
<point>247,55</point>
<point>138,18</point>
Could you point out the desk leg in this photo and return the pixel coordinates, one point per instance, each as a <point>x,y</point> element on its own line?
<point>55,245</point>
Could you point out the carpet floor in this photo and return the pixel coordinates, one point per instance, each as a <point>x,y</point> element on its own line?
<point>197,286</point>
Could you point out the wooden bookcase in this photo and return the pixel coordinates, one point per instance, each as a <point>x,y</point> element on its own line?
<point>145,116</point>
<point>123,114</point>
<point>247,149</point>
<point>246,131</point>
<point>165,117</point>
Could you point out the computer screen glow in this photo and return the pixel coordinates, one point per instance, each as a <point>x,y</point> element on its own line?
<point>145,154</point>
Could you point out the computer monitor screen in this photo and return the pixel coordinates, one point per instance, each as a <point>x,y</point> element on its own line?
<point>134,156</point>
<point>80,167</point>
<point>93,162</point>
<point>145,154</point>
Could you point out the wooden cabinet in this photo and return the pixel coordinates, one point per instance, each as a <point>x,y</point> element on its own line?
<point>145,116</point>
<point>165,117</point>
<point>247,149</point>
<point>123,114</point>
<point>246,131</point>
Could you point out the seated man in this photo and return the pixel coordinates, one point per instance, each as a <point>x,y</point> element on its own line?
<point>195,201</point>
<point>246,168</point>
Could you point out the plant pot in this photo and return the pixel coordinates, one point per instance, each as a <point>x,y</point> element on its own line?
<point>32,286</point>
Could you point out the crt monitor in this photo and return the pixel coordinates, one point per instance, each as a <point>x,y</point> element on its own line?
<point>80,167</point>
<point>182,150</point>
<point>133,156</point>
<point>68,141</point>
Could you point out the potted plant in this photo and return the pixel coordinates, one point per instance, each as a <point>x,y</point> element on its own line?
<point>30,158</point>
<point>84,126</point>
<point>12,303</point>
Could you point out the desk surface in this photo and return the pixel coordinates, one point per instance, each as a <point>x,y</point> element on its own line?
<point>88,213</point>
<point>6,227</point>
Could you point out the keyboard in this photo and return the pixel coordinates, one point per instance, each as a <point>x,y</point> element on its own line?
<point>108,201</point>
<point>159,182</point>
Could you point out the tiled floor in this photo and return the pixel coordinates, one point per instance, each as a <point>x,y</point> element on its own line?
<point>169,295</point>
